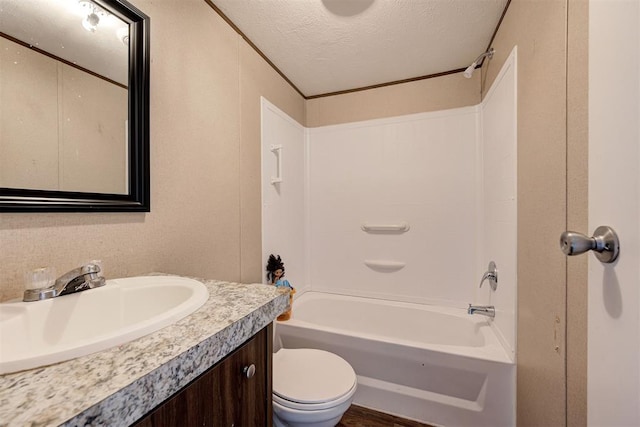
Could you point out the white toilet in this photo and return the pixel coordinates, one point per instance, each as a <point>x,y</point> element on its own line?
<point>311,388</point>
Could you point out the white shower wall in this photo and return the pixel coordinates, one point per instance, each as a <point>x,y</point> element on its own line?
<point>498,232</point>
<point>283,205</point>
<point>450,175</point>
<point>420,170</point>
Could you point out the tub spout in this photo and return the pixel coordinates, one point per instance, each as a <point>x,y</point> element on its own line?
<point>485,310</point>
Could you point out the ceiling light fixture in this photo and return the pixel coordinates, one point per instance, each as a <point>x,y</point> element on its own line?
<point>93,15</point>
<point>90,23</point>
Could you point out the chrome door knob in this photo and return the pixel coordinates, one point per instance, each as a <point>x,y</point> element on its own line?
<point>604,243</point>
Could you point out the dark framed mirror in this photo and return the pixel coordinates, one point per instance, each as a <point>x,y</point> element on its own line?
<point>74,106</point>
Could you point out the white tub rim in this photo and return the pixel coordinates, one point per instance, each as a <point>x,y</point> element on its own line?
<point>492,351</point>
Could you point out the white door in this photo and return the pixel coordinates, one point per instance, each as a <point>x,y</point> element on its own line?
<point>614,193</point>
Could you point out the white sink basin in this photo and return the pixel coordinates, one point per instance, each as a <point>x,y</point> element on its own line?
<point>34,334</point>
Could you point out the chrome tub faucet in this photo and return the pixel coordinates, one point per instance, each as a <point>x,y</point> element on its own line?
<point>485,310</point>
<point>76,280</point>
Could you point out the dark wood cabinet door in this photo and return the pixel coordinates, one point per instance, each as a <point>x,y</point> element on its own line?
<point>189,407</point>
<point>225,395</point>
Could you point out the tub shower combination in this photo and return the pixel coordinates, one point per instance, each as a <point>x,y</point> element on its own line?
<point>384,225</point>
<point>434,364</point>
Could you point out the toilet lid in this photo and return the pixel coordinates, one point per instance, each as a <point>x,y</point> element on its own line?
<point>307,375</point>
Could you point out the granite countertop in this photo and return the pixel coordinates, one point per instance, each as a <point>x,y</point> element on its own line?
<point>118,386</point>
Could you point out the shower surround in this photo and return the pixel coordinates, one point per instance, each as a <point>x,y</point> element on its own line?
<point>403,209</point>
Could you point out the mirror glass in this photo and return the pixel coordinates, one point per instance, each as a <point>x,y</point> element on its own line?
<point>73,105</point>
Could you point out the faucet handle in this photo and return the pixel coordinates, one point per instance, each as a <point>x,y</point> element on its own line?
<point>39,278</point>
<point>492,275</point>
<point>94,266</point>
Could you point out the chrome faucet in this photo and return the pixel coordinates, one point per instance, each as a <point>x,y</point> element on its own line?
<point>76,280</point>
<point>485,310</point>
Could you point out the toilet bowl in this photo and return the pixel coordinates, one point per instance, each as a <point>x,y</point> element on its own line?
<point>311,388</point>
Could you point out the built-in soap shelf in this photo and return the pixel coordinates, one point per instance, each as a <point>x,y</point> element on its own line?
<point>385,266</point>
<point>400,227</point>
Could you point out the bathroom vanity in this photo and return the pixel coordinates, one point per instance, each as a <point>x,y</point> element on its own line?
<point>235,391</point>
<point>196,370</point>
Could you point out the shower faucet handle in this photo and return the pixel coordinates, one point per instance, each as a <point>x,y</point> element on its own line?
<point>491,275</point>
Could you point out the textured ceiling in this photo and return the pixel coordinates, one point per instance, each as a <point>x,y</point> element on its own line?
<point>325,46</point>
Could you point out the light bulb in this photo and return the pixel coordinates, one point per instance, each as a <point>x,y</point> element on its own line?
<point>90,23</point>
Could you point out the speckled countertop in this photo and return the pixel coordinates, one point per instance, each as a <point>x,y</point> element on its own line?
<point>116,387</point>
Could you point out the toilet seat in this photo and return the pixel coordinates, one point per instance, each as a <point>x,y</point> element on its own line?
<point>311,379</point>
<point>290,404</point>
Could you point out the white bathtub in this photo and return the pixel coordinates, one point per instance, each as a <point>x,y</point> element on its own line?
<point>438,365</point>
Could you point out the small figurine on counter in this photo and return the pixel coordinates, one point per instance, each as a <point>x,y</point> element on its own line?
<point>275,274</point>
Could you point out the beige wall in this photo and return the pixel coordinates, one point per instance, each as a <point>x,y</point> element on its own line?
<point>440,93</point>
<point>205,88</point>
<point>539,29</point>
<point>577,207</point>
<point>60,128</point>
<point>93,119</point>
<point>29,85</point>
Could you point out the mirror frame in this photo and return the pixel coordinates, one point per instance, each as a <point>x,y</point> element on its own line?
<point>137,199</point>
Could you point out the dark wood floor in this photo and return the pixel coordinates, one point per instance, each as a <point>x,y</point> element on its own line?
<point>357,416</point>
